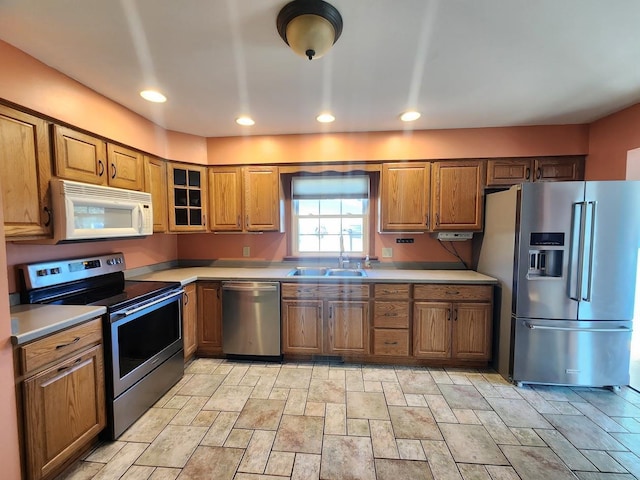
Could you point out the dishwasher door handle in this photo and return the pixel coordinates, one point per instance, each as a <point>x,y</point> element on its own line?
<point>240,287</point>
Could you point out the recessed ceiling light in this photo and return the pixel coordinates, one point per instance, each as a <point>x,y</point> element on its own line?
<point>325,118</point>
<point>410,116</point>
<point>153,96</point>
<point>245,121</point>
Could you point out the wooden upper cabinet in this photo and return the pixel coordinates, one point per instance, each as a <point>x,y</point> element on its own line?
<point>558,169</point>
<point>509,171</point>
<point>187,189</point>
<point>155,183</point>
<point>85,158</point>
<point>404,197</point>
<point>126,167</point>
<point>262,199</point>
<point>457,195</point>
<point>25,168</point>
<point>225,199</point>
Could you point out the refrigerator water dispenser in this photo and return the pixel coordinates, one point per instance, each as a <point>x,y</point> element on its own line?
<point>547,260</point>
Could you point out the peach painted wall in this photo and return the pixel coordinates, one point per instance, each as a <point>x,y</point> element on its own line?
<point>9,452</point>
<point>138,252</point>
<point>423,144</point>
<point>32,84</point>
<point>610,138</point>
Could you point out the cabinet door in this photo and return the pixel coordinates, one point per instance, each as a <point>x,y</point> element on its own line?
<point>261,199</point>
<point>404,197</point>
<point>187,197</point>
<point>126,167</point>
<point>155,182</point>
<point>432,329</point>
<point>348,327</point>
<point>80,157</point>
<point>64,409</point>
<point>25,169</point>
<point>457,195</point>
<point>209,318</point>
<point>557,169</point>
<point>508,171</point>
<point>189,312</point>
<point>302,326</point>
<point>225,193</point>
<point>472,331</point>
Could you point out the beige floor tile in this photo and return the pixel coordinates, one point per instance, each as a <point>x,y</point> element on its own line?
<point>325,390</point>
<point>336,374</point>
<point>373,386</point>
<point>212,462</point>
<point>177,402</point>
<point>527,436</point>
<point>173,447</point>
<point>82,471</point>
<point>440,409</point>
<point>263,387</point>
<point>149,426</point>
<point>280,463</point>
<point>393,394</point>
<point>414,423</point>
<point>203,365</point>
<point>383,440</point>
<point>228,398</point>
<point>463,396</point>
<point>569,454</point>
<point>205,418</point>
<point>260,414</point>
<point>120,463</point>
<point>316,409</point>
<point>603,461</point>
<point>105,451</point>
<point>496,428</point>
<point>518,413</point>
<point>189,411</point>
<point>347,458</point>
<point>466,415</point>
<point>470,471</point>
<point>415,400</point>
<point>296,402</point>
<point>370,405</point>
<point>417,382</point>
<point>163,473</point>
<point>379,374</point>
<point>299,433</point>
<point>257,453</point>
<point>136,472</point>
<point>440,460</point>
<point>354,381</point>
<point>410,449</point>
<point>536,463</point>
<point>277,394</point>
<point>306,467</point>
<point>219,431</point>
<point>471,444</point>
<point>238,438</point>
<point>293,378</point>
<point>402,469</point>
<point>440,377</point>
<point>335,420</point>
<point>358,427</point>
<point>503,473</point>
<point>201,385</point>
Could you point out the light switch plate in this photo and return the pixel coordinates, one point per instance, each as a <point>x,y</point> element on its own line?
<point>387,252</point>
<point>246,251</point>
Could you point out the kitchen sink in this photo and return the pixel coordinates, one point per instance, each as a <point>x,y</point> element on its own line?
<point>326,272</point>
<point>345,272</point>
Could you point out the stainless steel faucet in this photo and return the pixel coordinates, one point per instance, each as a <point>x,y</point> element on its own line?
<point>343,259</point>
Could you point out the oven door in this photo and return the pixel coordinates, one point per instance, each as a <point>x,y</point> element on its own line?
<point>143,337</point>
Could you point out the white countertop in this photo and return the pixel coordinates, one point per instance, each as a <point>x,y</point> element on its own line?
<point>191,274</point>
<point>30,322</point>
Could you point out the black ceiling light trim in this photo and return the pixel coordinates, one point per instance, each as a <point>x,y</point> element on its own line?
<point>309,7</point>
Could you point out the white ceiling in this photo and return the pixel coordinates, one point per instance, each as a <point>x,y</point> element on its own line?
<point>462,63</point>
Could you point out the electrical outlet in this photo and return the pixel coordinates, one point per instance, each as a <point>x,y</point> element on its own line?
<point>387,252</point>
<point>246,251</point>
<point>404,240</point>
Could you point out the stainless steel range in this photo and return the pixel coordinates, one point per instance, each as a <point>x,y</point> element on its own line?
<point>142,327</point>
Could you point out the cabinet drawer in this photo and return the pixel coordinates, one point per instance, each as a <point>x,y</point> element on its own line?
<point>391,314</point>
<point>328,291</point>
<point>41,352</point>
<point>391,290</point>
<point>390,342</point>
<point>453,292</point>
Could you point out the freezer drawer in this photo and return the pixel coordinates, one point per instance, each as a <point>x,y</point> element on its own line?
<point>566,352</point>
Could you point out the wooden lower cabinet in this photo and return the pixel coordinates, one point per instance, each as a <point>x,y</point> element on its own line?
<point>63,399</point>
<point>391,320</point>
<point>209,330</point>
<point>189,320</point>
<point>302,326</point>
<point>458,330</point>
<point>348,327</point>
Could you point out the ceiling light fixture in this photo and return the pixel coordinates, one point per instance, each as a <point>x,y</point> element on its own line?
<point>245,121</point>
<point>309,27</point>
<point>153,96</point>
<point>410,116</point>
<point>325,118</point>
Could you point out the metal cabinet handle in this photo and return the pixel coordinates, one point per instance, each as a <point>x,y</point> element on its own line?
<point>113,170</point>
<point>427,220</point>
<point>331,312</point>
<point>186,298</point>
<point>449,315</point>
<point>77,361</point>
<point>455,314</point>
<point>527,173</point>
<point>390,315</point>
<point>49,213</point>
<point>247,221</point>
<point>101,169</point>
<point>238,221</point>
<point>75,340</point>
<point>390,343</point>
<point>453,292</point>
<point>538,173</point>
<point>437,219</point>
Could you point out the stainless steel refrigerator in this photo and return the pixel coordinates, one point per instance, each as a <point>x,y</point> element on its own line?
<point>566,256</point>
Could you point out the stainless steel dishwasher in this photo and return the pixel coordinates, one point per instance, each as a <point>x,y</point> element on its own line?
<point>251,318</point>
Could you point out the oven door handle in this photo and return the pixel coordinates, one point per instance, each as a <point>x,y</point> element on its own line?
<point>131,311</point>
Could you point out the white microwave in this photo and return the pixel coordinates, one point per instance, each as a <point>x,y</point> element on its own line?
<point>92,212</point>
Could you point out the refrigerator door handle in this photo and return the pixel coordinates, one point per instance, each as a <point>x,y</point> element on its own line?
<point>587,254</point>
<point>572,329</point>
<point>574,275</point>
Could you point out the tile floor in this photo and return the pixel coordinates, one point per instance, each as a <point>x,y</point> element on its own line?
<point>233,420</point>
